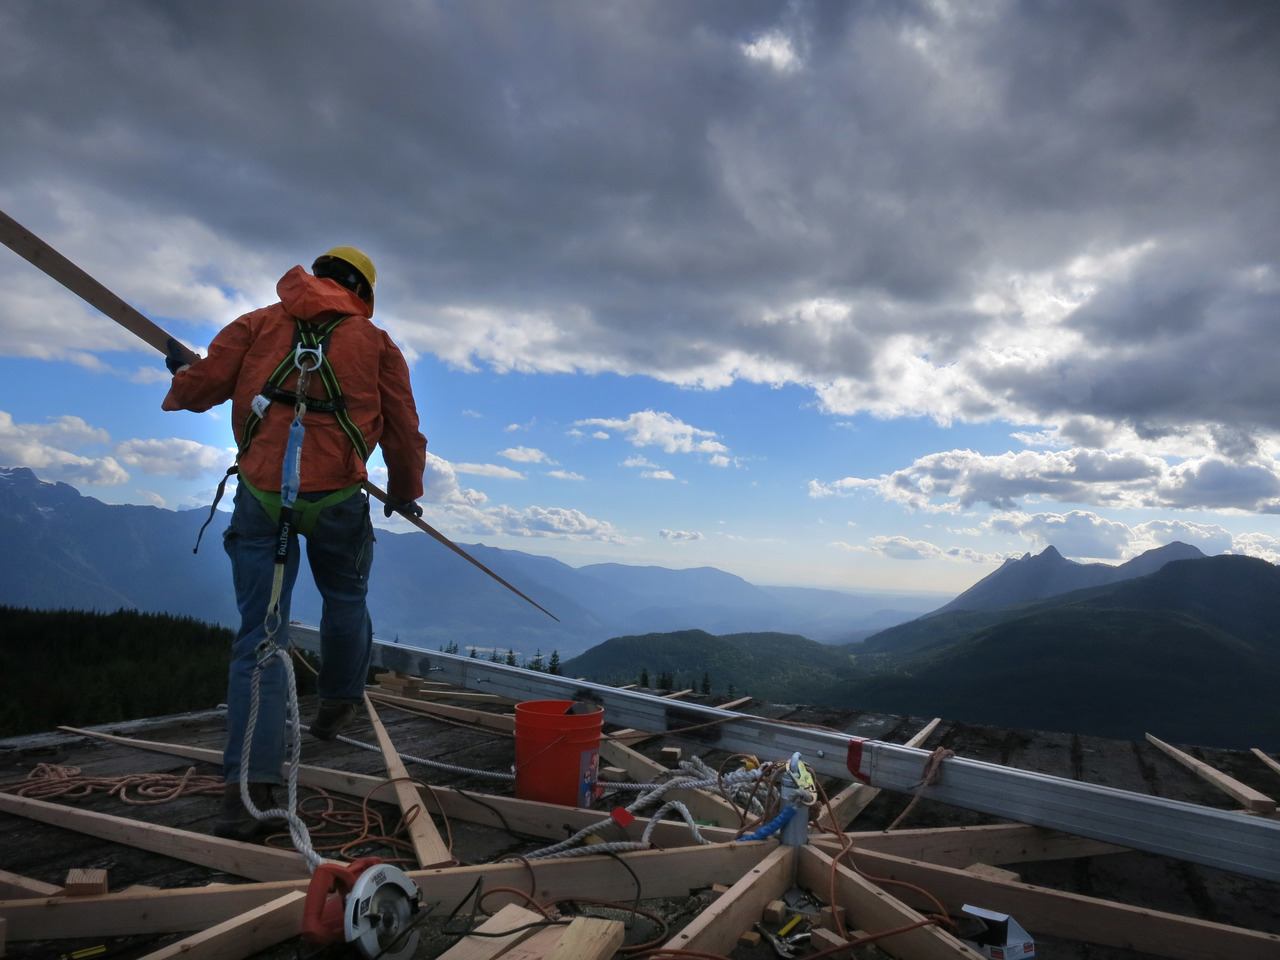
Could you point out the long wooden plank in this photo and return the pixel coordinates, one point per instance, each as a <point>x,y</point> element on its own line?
<point>845,806</point>
<point>17,886</point>
<point>536,947</point>
<point>428,846</point>
<point>589,938</point>
<point>452,694</point>
<point>717,928</point>
<point>873,909</point>
<point>491,945</point>
<point>241,936</point>
<point>545,821</point>
<point>632,736</point>
<point>1074,916</point>
<point>230,856</point>
<point>661,873</point>
<point>1255,801</point>
<point>961,846</point>
<point>1268,760</point>
<point>703,806</point>
<point>502,722</point>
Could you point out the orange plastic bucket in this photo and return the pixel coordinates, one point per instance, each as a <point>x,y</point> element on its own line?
<point>557,752</point>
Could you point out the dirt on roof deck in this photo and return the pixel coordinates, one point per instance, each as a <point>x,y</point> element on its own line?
<point>46,853</point>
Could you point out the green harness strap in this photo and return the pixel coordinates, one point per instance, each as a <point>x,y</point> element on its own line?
<point>306,513</point>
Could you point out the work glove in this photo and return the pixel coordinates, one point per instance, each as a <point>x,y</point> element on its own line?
<point>176,357</point>
<point>395,505</point>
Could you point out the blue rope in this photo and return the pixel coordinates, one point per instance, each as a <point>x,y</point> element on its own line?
<point>773,826</point>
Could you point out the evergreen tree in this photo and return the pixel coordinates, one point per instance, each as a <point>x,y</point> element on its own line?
<point>644,677</point>
<point>472,652</point>
<point>511,658</point>
<point>536,663</point>
<point>493,656</point>
<point>553,666</point>
<point>665,681</point>
<point>731,691</point>
<point>706,683</point>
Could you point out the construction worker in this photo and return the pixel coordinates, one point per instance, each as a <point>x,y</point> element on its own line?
<point>357,396</point>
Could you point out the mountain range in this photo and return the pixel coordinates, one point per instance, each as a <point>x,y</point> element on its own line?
<point>66,550</point>
<point>1190,651</point>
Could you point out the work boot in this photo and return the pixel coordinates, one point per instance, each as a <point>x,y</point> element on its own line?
<point>236,823</point>
<point>332,716</point>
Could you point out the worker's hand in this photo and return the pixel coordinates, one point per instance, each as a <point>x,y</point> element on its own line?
<point>395,505</point>
<point>176,357</point>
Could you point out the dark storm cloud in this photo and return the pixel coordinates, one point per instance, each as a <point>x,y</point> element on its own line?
<point>629,181</point>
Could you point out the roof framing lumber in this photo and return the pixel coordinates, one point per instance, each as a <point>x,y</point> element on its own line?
<point>502,722</point>
<point>1077,917</point>
<point>1255,801</point>
<point>16,885</point>
<point>230,856</point>
<point>1269,761</point>
<point>589,938</point>
<point>241,936</point>
<point>428,846</point>
<point>853,799</point>
<point>1218,838</point>
<point>546,821</point>
<point>703,806</point>
<point>717,928</point>
<point>873,910</point>
<point>490,946</point>
<point>961,846</point>
<point>661,873</point>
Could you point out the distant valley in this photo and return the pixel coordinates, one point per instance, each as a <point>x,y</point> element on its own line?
<point>65,550</point>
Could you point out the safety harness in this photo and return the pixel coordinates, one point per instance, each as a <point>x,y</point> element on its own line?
<point>308,356</point>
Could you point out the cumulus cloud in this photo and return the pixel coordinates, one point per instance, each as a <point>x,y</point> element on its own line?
<point>639,462</point>
<point>468,511</point>
<point>1260,545</point>
<point>905,548</point>
<point>1082,534</point>
<point>49,449</point>
<point>680,536</point>
<point>658,475</point>
<point>525,455</point>
<point>650,428</point>
<point>175,457</point>
<point>488,470</point>
<point>565,475</point>
<point>960,479</point>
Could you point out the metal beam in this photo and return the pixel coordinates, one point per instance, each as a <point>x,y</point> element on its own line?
<point>1216,838</point>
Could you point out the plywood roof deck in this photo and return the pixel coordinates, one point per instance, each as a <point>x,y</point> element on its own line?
<point>46,853</point>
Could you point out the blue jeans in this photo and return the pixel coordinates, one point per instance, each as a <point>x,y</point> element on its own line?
<point>340,552</point>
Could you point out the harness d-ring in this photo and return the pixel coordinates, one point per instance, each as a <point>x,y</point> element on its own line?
<point>308,358</point>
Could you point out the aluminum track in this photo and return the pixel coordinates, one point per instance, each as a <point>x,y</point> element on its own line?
<point>1232,841</point>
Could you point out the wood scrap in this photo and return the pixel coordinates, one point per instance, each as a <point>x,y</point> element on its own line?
<point>85,882</point>
<point>490,946</point>
<point>589,938</point>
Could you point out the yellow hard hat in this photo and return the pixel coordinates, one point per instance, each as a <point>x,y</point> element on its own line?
<point>357,258</point>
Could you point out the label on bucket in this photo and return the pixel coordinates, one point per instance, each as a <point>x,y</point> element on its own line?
<point>588,772</point>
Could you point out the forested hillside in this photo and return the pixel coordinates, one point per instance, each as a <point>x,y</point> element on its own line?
<point>77,668</point>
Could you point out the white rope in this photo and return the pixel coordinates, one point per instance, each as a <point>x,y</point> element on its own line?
<point>298,832</point>
<point>570,845</point>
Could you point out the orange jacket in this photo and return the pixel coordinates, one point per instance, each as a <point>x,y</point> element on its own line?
<point>371,372</point>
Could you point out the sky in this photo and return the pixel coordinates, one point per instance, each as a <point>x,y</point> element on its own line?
<point>861,295</point>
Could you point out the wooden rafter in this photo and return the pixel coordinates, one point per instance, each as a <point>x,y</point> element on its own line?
<point>428,846</point>
<point>489,944</point>
<point>716,929</point>
<point>18,886</point>
<point>531,818</point>
<point>502,722</point>
<point>961,846</point>
<point>251,932</point>
<point>1265,758</point>
<point>1255,801</point>
<point>230,856</point>
<point>853,799</point>
<point>1074,916</point>
<point>660,873</point>
<point>873,909</point>
<point>703,806</point>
